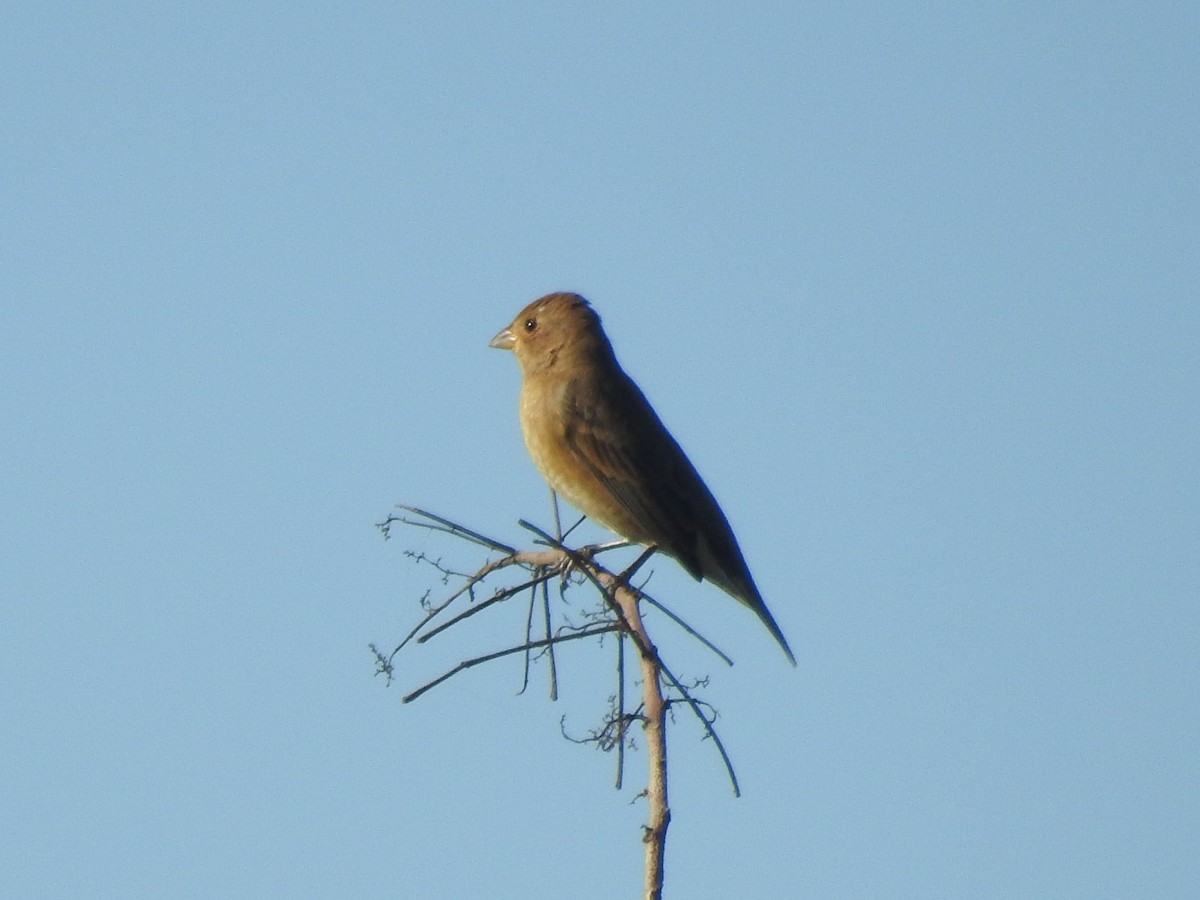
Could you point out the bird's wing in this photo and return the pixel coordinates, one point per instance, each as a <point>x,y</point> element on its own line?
<point>621,440</point>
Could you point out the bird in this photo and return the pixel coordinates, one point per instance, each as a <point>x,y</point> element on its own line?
<point>600,445</point>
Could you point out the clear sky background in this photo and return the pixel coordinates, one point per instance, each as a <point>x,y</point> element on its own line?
<point>916,285</point>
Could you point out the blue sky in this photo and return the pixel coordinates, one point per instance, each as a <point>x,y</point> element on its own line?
<point>916,285</point>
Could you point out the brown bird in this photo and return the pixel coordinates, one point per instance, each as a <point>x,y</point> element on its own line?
<point>599,444</point>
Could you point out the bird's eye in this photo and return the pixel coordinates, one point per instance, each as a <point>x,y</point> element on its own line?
<point>530,326</point>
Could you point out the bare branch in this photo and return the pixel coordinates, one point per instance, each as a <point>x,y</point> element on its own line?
<point>528,638</point>
<point>685,626</point>
<point>619,614</point>
<point>498,597</point>
<point>488,657</point>
<point>549,646</point>
<point>441,524</point>
<point>620,710</point>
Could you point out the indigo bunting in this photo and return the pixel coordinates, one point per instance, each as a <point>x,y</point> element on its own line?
<point>600,445</point>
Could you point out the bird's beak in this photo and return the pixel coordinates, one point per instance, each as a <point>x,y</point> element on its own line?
<point>505,340</point>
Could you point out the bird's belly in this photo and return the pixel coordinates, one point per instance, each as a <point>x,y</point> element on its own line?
<point>569,475</point>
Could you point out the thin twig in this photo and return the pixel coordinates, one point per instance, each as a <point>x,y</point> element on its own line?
<point>434,611</point>
<point>549,646</point>
<point>685,626</point>
<point>528,638</point>
<point>528,558</point>
<point>451,528</point>
<point>620,709</point>
<point>499,596</point>
<point>488,657</point>
<point>711,732</point>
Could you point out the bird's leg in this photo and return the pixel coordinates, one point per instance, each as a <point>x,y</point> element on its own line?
<point>558,535</point>
<point>624,577</point>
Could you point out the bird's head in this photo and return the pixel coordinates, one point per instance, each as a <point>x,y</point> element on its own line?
<point>558,329</point>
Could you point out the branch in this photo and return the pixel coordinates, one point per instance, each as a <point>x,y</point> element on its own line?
<point>605,581</point>
<point>488,657</point>
<point>622,615</point>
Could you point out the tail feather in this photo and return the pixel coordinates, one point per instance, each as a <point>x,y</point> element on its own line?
<point>746,592</point>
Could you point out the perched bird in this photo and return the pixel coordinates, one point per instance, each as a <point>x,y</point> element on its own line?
<point>600,445</point>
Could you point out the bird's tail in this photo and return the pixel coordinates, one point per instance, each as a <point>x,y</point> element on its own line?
<point>745,591</point>
<point>760,608</point>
